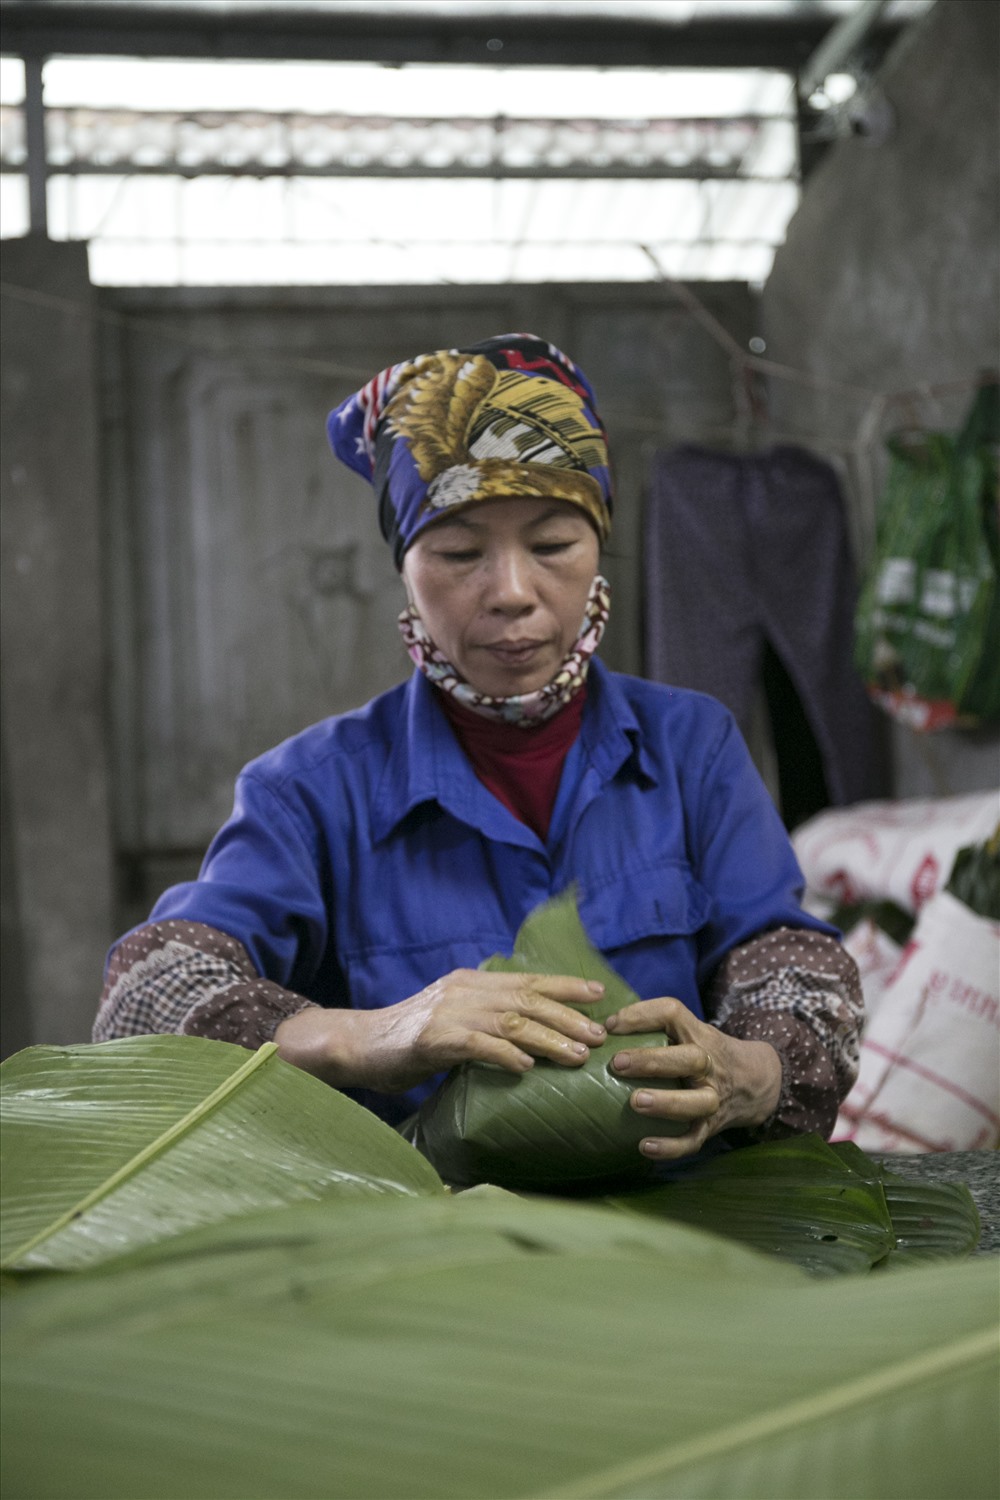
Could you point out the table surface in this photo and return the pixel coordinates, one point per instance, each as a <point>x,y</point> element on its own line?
<point>979,1170</point>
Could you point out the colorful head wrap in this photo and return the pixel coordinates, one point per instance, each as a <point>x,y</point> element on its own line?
<point>511,416</point>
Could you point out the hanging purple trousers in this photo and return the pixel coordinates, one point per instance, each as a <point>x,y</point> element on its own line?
<point>748,555</point>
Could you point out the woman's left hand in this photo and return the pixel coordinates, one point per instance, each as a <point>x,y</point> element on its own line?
<point>729,1082</point>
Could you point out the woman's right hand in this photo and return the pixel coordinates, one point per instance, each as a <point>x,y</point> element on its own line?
<point>468,1015</point>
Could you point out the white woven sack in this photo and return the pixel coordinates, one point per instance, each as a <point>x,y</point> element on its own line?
<point>890,851</point>
<point>930,1057</point>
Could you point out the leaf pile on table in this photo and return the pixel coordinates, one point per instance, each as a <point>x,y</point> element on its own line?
<point>223,1279</point>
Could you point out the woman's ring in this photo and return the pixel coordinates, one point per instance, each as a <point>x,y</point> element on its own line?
<point>709,1066</point>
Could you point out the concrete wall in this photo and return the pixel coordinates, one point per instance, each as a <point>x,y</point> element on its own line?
<point>889,280</point>
<point>57,900</point>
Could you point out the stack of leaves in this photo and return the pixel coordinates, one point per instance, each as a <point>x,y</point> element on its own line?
<point>827,1208</point>
<point>225,1279</point>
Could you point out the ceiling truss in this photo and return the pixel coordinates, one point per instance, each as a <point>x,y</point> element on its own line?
<point>245,143</point>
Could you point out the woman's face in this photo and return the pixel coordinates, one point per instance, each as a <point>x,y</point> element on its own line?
<point>502,587</point>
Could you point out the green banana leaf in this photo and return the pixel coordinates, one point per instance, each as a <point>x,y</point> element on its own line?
<point>795,1199</point>
<point>110,1146</point>
<point>479,1346</point>
<point>930,1220</point>
<point>827,1208</point>
<point>550,1127</point>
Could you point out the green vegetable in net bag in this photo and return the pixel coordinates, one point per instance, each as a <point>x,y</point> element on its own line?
<point>927,630</point>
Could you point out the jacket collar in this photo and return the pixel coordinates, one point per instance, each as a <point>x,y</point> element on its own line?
<point>611,731</point>
<point>426,764</point>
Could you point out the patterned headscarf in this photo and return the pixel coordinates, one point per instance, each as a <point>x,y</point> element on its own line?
<point>512,416</point>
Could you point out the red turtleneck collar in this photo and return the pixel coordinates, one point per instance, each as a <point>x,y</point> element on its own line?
<point>521,767</point>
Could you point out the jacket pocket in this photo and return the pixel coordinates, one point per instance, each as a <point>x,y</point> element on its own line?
<point>658,901</point>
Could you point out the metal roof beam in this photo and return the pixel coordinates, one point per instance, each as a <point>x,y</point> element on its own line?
<point>289,32</point>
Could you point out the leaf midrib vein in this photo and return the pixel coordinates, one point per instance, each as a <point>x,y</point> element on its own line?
<point>856,1391</point>
<point>154,1148</point>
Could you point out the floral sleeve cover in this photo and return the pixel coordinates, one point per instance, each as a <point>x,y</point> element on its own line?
<point>801,992</point>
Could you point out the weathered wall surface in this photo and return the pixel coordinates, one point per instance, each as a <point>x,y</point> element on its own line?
<point>57,903</point>
<point>889,280</point>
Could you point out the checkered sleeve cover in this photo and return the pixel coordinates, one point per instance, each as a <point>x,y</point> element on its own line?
<point>188,978</point>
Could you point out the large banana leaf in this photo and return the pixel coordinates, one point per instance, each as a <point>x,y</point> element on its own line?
<point>486,1346</point>
<point>552,1126</point>
<point>111,1146</point>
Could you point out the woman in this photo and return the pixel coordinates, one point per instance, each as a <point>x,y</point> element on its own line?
<point>374,860</point>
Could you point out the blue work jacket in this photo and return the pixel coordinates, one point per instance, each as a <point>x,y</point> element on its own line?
<point>364,858</point>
